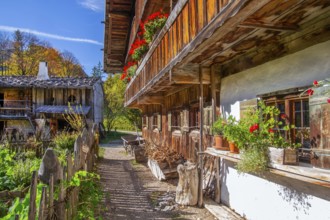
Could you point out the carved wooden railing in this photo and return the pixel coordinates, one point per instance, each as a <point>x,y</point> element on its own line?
<point>188,20</point>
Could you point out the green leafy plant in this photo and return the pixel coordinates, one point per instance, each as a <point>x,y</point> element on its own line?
<point>66,140</point>
<point>90,193</point>
<point>218,126</point>
<point>258,130</point>
<point>231,130</point>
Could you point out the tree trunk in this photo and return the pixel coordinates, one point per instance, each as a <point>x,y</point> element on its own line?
<point>187,189</point>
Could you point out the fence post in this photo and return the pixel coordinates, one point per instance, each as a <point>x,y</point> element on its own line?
<point>33,193</point>
<point>70,171</point>
<point>61,198</point>
<point>51,196</point>
<point>42,206</point>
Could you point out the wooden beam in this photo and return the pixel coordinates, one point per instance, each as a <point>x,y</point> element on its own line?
<point>261,25</point>
<point>189,74</point>
<point>148,100</point>
<point>201,126</point>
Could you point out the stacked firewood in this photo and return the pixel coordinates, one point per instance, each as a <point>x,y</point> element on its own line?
<point>164,155</point>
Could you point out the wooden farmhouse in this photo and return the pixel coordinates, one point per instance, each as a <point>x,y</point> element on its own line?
<point>218,57</point>
<point>27,101</point>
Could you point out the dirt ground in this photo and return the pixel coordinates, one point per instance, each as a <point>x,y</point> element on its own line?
<point>132,192</point>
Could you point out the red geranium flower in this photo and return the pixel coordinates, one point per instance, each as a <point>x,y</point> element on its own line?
<point>310,91</point>
<point>123,76</point>
<point>270,130</point>
<point>328,100</point>
<point>254,127</point>
<point>284,116</point>
<point>315,83</point>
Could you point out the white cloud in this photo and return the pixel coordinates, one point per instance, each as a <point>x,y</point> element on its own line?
<point>94,5</point>
<point>47,35</point>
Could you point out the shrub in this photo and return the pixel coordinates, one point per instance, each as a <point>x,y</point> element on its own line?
<point>65,140</point>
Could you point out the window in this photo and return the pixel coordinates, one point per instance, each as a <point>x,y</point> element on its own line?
<point>72,99</point>
<point>297,109</point>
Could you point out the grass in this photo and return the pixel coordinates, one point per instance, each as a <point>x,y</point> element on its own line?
<point>113,135</point>
<point>101,152</point>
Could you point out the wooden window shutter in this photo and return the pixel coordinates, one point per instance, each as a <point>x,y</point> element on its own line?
<point>159,122</point>
<point>185,120</point>
<point>169,121</point>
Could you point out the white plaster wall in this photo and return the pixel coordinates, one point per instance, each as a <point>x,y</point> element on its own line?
<point>272,197</point>
<point>295,70</point>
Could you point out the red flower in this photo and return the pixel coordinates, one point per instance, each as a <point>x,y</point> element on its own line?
<point>254,127</point>
<point>123,76</point>
<point>284,116</point>
<point>270,130</point>
<point>315,83</point>
<point>128,79</point>
<point>310,91</point>
<point>328,100</point>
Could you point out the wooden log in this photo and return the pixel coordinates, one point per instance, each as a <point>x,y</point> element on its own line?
<point>42,206</point>
<point>33,193</point>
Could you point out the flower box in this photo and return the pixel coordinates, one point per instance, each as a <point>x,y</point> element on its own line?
<point>282,156</point>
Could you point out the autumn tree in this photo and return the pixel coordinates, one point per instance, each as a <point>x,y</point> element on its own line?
<point>70,65</point>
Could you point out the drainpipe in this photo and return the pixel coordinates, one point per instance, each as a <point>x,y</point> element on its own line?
<point>200,154</point>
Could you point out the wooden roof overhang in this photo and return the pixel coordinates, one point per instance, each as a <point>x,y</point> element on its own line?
<point>118,17</point>
<point>244,34</point>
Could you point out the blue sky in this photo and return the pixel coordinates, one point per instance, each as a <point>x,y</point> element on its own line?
<point>73,25</point>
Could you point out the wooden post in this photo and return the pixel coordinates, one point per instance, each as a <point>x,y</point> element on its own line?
<point>42,206</point>
<point>69,176</point>
<point>51,197</point>
<point>218,185</point>
<point>61,207</point>
<point>213,94</point>
<point>200,190</point>
<point>33,193</point>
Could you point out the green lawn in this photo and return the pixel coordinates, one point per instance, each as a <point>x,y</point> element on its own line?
<point>114,135</point>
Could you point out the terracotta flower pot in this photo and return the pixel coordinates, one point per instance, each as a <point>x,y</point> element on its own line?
<point>233,148</point>
<point>219,143</point>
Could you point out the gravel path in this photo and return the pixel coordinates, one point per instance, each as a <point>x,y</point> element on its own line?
<point>131,192</point>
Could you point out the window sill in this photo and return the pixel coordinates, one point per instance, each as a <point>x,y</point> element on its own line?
<point>304,172</point>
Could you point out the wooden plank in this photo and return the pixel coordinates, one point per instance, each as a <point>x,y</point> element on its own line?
<point>186,25</point>
<point>218,184</point>
<point>200,147</point>
<point>193,25</point>
<point>211,9</point>
<point>200,13</point>
<point>33,194</point>
<point>220,211</point>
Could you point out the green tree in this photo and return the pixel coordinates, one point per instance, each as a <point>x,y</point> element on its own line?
<point>114,90</point>
<point>97,71</point>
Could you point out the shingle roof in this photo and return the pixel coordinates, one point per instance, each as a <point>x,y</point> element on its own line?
<point>52,82</point>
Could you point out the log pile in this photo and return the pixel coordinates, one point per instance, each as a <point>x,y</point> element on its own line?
<point>164,155</point>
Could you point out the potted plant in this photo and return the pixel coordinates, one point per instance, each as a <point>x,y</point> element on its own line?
<point>138,49</point>
<point>260,134</point>
<point>217,129</point>
<point>231,132</point>
<point>152,25</point>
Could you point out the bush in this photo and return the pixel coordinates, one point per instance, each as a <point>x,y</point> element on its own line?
<point>65,140</point>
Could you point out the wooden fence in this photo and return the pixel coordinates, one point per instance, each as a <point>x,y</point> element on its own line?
<point>65,206</point>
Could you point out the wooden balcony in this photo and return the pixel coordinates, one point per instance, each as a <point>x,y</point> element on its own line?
<point>204,33</point>
<point>15,108</point>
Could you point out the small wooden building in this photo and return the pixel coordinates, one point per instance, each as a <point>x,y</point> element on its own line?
<point>25,99</point>
<point>217,57</point>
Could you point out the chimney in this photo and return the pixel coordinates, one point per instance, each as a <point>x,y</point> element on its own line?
<point>43,71</point>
